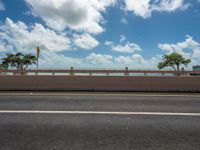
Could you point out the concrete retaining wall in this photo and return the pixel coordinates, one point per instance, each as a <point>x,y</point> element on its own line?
<point>100,83</point>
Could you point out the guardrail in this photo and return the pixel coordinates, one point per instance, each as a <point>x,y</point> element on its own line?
<point>100,80</point>
<point>125,72</point>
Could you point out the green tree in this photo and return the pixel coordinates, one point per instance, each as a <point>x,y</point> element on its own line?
<point>3,67</point>
<point>20,61</point>
<point>174,61</point>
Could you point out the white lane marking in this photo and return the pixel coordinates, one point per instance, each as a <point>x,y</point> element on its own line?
<point>101,94</point>
<point>97,113</point>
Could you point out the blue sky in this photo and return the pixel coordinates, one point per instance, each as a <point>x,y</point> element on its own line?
<point>101,33</point>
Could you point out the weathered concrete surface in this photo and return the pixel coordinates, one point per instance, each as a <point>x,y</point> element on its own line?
<point>100,83</point>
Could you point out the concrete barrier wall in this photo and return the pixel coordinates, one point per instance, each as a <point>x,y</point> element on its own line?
<point>100,83</point>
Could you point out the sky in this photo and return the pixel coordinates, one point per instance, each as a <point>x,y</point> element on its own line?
<point>101,33</point>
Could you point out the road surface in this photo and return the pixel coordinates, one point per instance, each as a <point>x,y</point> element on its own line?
<point>55,121</point>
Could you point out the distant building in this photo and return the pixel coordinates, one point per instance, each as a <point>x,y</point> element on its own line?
<point>196,68</point>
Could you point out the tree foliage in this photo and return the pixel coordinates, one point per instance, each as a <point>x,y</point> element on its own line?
<point>3,66</point>
<point>174,61</point>
<point>20,61</point>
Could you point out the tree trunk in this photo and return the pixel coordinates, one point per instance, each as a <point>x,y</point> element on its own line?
<point>178,67</point>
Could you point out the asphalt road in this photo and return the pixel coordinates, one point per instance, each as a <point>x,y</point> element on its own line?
<point>74,122</point>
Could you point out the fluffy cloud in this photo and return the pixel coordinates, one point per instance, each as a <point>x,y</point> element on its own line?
<point>95,60</point>
<point>4,46</point>
<point>99,59</point>
<point>144,8</point>
<point>108,61</point>
<point>124,60</point>
<point>109,43</point>
<point>170,5</point>
<point>24,38</point>
<point>188,44</point>
<point>138,7</point>
<point>85,41</point>
<point>136,61</point>
<point>79,15</point>
<point>2,6</point>
<point>189,48</point>
<point>128,47</point>
<point>55,60</point>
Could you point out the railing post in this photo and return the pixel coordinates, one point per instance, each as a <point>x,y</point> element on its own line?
<point>183,72</point>
<point>71,71</point>
<point>126,72</point>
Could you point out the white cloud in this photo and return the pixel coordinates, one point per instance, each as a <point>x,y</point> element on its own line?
<point>127,48</point>
<point>145,8</point>
<point>23,38</point>
<point>54,60</point>
<point>109,43</point>
<point>138,58</point>
<point>189,48</point>
<point>124,60</point>
<point>2,46</point>
<point>188,44</point>
<point>139,7</point>
<point>122,38</point>
<point>2,6</point>
<point>85,41</point>
<point>136,61</point>
<point>95,60</point>
<point>170,5</point>
<point>100,59</point>
<point>79,15</point>
<point>124,21</point>
<point>167,48</point>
